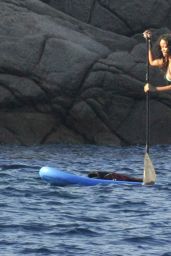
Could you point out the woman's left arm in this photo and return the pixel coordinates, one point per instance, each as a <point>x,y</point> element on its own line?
<point>163,88</point>
<point>149,88</point>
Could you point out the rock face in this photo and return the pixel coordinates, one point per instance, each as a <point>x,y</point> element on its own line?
<point>74,71</point>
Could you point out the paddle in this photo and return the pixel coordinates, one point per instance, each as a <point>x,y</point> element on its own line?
<point>149,171</point>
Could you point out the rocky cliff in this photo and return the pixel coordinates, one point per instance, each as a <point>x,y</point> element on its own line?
<point>73,71</point>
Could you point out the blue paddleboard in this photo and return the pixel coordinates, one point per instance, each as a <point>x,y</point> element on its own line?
<point>61,178</point>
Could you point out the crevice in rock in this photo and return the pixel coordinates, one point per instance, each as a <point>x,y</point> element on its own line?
<point>77,94</point>
<point>43,140</point>
<point>116,15</point>
<point>91,12</point>
<point>104,119</point>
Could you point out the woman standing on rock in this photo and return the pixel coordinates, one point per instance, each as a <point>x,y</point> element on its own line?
<point>163,46</point>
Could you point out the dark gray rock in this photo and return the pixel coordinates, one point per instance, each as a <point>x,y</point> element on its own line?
<point>123,17</point>
<point>74,71</point>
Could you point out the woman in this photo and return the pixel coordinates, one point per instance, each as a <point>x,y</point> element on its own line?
<point>163,61</point>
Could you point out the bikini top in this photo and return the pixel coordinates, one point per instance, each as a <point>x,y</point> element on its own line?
<point>167,77</point>
<point>168,74</point>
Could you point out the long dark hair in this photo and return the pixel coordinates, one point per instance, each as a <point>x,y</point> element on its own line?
<point>158,52</point>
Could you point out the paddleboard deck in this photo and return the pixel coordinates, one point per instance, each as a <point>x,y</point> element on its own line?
<point>62,178</point>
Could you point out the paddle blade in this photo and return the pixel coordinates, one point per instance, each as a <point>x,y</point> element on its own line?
<point>149,171</point>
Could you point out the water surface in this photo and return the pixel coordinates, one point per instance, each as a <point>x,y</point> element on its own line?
<point>40,219</point>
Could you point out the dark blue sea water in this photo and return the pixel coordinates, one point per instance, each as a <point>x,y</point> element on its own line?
<point>40,219</point>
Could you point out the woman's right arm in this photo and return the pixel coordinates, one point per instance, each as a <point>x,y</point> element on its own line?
<point>153,62</point>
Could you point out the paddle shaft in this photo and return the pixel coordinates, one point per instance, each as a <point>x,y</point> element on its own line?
<point>147,100</point>
<point>149,176</point>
